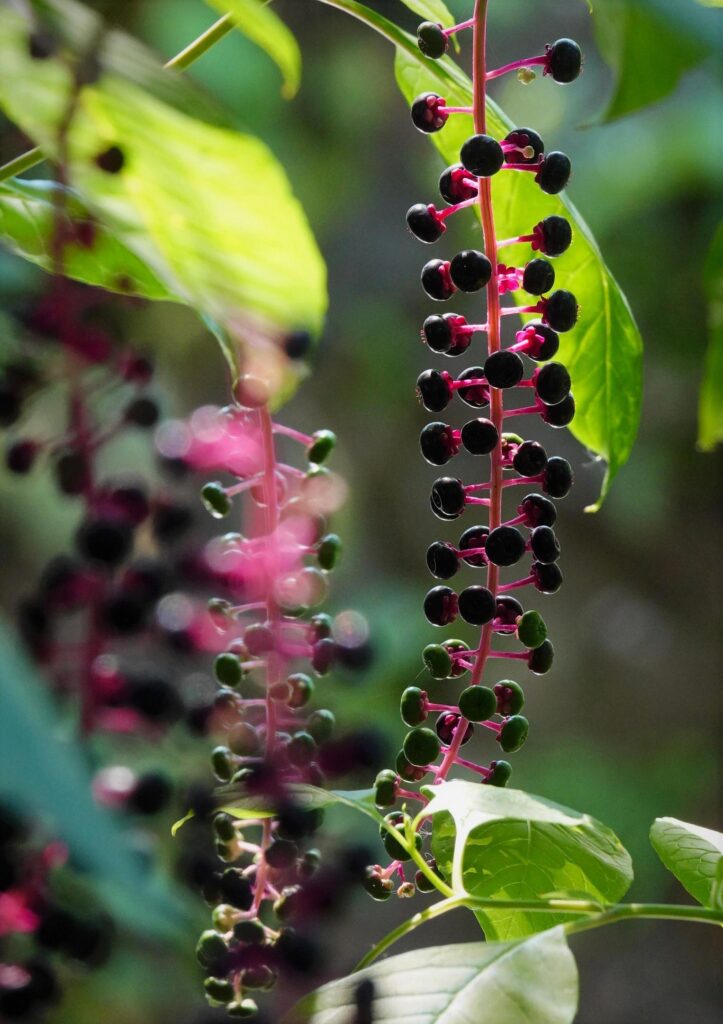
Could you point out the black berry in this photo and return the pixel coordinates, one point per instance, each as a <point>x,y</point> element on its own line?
<point>433,388</point>
<point>104,540</point>
<point>561,414</point>
<point>544,544</point>
<point>548,578</point>
<point>436,280</point>
<point>557,479</point>
<point>477,605</point>
<point>505,545</point>
<point>530,458</point>
<point>448,496</point>
<point>431,40</point>
<point>480,436</point>
<point>476,395</point>
<point>446,727</point>
<point>473,538</point>
<point>423,224</point>
<point>561,310</point>
<point>538,277</point>
<point>470,270</point>
<point>441,606</point>
<point>555,235</point>
<point>503,369</point>
<point>455,185</point>
<point>552,383</point>
<point>547,347</point>
<point>522,138</point>
<point>564,61</point>
<point>438,443</point>
<point>482,156</point>
<point>554,173</point>
<point>442,560</point>
<point>426,113</point>
<point>438,332</point>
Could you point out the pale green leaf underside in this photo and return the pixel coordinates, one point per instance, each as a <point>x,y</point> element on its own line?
<point>209,211</point>
<point>531,982</point>
<point>694,855</point>
<point>506,844</point>
<point>309,797</point>
<point>435,11</point>
<point>710,411</point>
<point>604,351</point>
<point>257,21</point>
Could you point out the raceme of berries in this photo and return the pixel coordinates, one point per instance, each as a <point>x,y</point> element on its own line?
<point>514,535</point>
<point>276,649</point>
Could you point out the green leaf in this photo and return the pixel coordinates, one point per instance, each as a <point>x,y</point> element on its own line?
<point>257,21</point>
<point>506,844</point>
<point>694,855</point>
<point>309,797</point>
<point>28,222</point>
<point>209,211</point>
<point>604,351</point>
<point>432,10</point>
<point>648,54</point>
<point>710,410</point>
<point>530,982</point>
<point>47,777</point>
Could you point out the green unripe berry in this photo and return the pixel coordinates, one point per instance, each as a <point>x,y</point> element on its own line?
<point>412,706</point>
<point>227,669</point>
<point>215,499</point>
<point>540,660</point>
<point>391,844</point>
<point>219,990</point>
<point>244,740</point>
<point>531,629</point>
<point>321,724</point>
<point>302,689</point>
<point>385,788</point>
<point>379,888</point>
<point>500,774</point>
<point>421,747</point>
<point>477,703</point>
<point>436,658</point>
<point>511,438</point>
<point>323,444</point>
<point>301,749</point>
<point>407,771</point>
<point>250,932</point>
<point>456,645</point>
<point>510,697</point>
<point>211,949</point>
<point>329,551</point>
<point>222,917</point>
<point>222,763</point>
<point>513,733</point>
<point>245,1009</point>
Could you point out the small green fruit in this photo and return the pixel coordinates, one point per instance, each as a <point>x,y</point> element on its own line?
<point>421,747</point>
<point>531,629</point>
<point>513,733</point>
<point>477,703</point>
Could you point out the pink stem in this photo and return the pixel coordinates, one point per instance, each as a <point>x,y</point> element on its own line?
<point>517,583</point>
<point>515,66</point>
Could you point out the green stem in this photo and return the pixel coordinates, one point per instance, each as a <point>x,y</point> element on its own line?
<point>21,163</point>
<point>594,917</point>
<point>180,62</point>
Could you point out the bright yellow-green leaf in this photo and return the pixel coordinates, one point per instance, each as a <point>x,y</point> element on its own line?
<point>257,21</point>
<point>710,412</point>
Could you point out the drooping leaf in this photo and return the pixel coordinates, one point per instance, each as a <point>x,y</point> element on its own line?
<point>694,855</point>
<point>46,776</point>
<point>431,10</point>
<point>91,253</point>
<point>648,54</point>
<point>506,844</point>
<point>209,211</point>
<point>530,982</point>
<point>604,351</point>
<point>710,410</point>
<point>259,22</point>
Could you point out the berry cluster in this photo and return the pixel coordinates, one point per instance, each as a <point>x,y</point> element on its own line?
<point>514,461</point>
<point>276,645</point>
<point>29,911</point>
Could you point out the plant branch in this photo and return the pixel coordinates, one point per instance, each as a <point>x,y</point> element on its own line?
<point>21,163</point>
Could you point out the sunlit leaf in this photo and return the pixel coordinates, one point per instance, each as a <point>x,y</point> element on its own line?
<point>710,410</point>
<point>259,22</point>
<point>530,982</point>
<point>506,844</point>
<point>694,855</point>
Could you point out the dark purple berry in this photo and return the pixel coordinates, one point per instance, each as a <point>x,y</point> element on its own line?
<point>504,369</point>
<point>561,414</point>
<point>441,606</point>
<point>473,538</point>
<point>482,156</point>
<point>548,577</point>
<point>552,383</point>
<point>434,391</point>
<point>530,458</point>
<point>436,280</point>
<point>561,310</point>
<point>297,345</point>
<point>455,185</point>
<point>476,395</point>
<point>151,793</point>
<point>538,511</point>
<point>508,609</point>
<point>538,277</point>
<point>470,270</point>
<point>104,540</point>
<point>477,605</point>
<point>564,61</point>
<point>554,173</point>
<point>522,138</point>
<point>446,727</point>
<point>480,436</point>
<point>547,347</point>
<point>554,234</point>
<point>426,113</point>
<point>431,40</point>
<point>423,223</point>
<point>142,412</point>
<point>505,545</point>
<point>544,544</point>
<point>448,495</point>
<point>442,560</point>
<point>438,443</point>
<point>557,479</point>
<point>438,332</point>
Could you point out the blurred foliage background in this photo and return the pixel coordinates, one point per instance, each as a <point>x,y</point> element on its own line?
<point>626,725</point>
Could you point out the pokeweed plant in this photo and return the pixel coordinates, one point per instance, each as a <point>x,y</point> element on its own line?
<point>267,887</point>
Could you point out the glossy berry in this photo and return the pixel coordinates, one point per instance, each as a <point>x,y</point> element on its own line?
<point>540,660</point>
<point>476,605</point>
<point>477,703</point>
<point>508,609</point>
<point>107,541</point>
<point>564,61</point>
<point>385,788</point>
<point>455,185</point>
<point>438,331</point>
<point>228,670</point>
<point>398,820</point>
<point>441,606</point>
<point>482,156</point>
<point>215,499</point>
<point>524,138</point>
<point>554,173</point>
<point>446,727</point>
<point>442,560</point>
<point>505,545</point>
<point>500,773</point>
<point>431,40</point>
<point>552,383</point>
<point>434,391</point>
<point>538,511</point>
<point>322,445</point>
<point>456,646</point>
<point>547,577</point>
<point>476,395</point>
<point>328,552</point>
<point>438,443</point>
<point>480,436</point>
<point>547,347</point>
<point>423,223</point>
<point>555,235</point>
<point>421,747</point>
<point>408,771</point>
<point>561,310</point>
<point>531,628</point>
<point>377,886</point>
<point>412,707</point>
<point>538,277</point>
<point>473,538</point>
<point>437,659</point>
<point>561,414</point>
<point>427,116</point>
<point>470,270</point>
<point>544,544</point>
<point>513,733</point>
<point>509,696</point>
<point>448,496</point>
<point>530,458</point>
<point>436,280</point>
<point>504,369</point>
<point>557,479</point>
